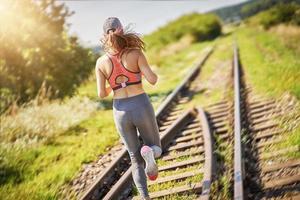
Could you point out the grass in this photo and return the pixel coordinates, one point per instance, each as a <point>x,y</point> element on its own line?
<point>272,68</point>
<point>289,123</point>
<point>180,170</point>
<point>39,171</point>
<point>41,123</point>
<point>215,73</point>
<point>172,71</point>
<point>224,156</point>
<point>179,33</point>
<point>181,197</point>
<point>171,184</point>
<point>292,139</point>
<point>289,36</point>
<point>161,162</point>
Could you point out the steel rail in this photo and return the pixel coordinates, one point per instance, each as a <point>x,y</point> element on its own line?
<point>102,179</point>
<point>238,165</point>
<point>123,153</point>
<point>209,164</point>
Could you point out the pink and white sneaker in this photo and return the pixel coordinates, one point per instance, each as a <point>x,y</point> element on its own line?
<point>151,167</point>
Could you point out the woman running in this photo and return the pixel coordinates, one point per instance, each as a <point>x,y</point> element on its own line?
<point>122,66</point>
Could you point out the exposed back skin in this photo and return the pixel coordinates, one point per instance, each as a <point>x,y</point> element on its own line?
<point>132,59</point>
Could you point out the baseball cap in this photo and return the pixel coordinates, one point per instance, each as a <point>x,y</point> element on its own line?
<point>111,23</point>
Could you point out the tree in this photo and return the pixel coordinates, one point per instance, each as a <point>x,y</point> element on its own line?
<point>35,48</point>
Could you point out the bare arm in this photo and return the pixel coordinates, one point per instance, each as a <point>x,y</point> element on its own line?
<point>150,76</point>
<point>102,90</point>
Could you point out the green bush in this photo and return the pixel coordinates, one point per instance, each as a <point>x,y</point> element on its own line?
<point>282,13</point>
<point>200,26</point>
<point>255,6</point>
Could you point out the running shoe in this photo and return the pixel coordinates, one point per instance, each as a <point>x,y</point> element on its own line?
<point>151,167</point>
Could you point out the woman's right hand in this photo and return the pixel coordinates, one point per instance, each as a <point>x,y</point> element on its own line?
<point>108,90</point>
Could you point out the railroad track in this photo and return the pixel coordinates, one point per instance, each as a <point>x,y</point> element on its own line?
<point>118,173</point>
<point>188,168</point>
<point>187,160</point>
<point>257,174</point>
<point>187,165</point>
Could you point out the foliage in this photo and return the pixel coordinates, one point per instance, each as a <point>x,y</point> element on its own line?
<point>281,13</point>
<point>230,13</point>
<point>200,26</point>
<point>179,34</point>
<point>247,9</point>
<point>261,5</point>
<point>35,48</point>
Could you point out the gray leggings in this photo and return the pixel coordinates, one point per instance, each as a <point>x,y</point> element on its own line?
<point>134,114</point>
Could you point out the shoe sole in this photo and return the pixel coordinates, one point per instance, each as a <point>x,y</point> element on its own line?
<point>151,167</point>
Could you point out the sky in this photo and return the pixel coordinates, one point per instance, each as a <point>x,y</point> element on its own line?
<point>144,16</point>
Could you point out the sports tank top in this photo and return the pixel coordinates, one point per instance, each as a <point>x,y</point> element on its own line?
<point>120,77</point>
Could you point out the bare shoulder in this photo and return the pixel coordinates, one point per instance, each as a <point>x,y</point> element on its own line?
<point>102,61</point>
<point>133,51</point>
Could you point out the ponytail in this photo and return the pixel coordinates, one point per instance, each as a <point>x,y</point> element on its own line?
<point>119,40</point>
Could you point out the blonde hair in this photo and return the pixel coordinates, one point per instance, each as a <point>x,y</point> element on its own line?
<point>120,39</point>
